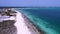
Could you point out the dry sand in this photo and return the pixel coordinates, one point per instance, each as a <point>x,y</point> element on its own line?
<point>20,24</point>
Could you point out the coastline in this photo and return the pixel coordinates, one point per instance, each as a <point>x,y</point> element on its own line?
<point>23,25</point>
<point>32,27</point>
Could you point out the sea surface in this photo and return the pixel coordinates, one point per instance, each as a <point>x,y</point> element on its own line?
<point>45,19</point>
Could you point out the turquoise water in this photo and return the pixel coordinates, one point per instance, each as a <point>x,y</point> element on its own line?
<point>46,19</point>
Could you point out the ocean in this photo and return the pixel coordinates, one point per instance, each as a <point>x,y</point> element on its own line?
<point>45,19</point>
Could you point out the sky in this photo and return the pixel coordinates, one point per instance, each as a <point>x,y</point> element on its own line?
<point>30,3</point>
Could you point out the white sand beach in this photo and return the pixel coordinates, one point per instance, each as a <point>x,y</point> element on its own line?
<point>21,26</point>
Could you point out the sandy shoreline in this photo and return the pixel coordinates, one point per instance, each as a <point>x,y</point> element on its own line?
<point>31,26</point>
<point>20,24</point>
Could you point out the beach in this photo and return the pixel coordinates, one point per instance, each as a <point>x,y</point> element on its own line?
<point>24,26</point>
<point>20,24</point>
<point>31,26</point>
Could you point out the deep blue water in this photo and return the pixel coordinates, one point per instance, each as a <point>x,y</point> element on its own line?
<point>47,19</point>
